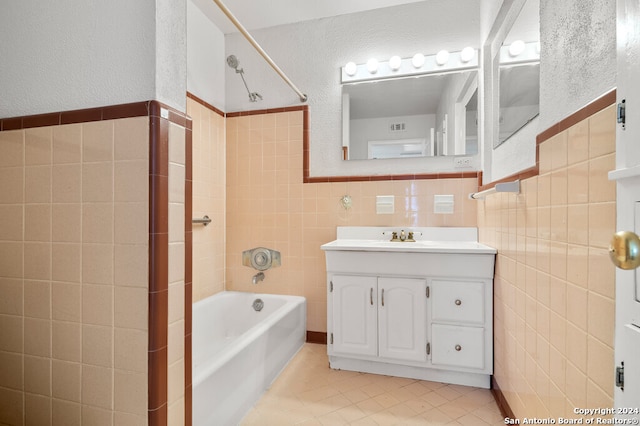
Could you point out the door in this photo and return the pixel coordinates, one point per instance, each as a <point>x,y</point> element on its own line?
<point>627,328</point>
<point>354,315</point>
<point>402,318</point>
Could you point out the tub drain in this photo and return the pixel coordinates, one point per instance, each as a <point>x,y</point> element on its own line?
<point>258,304</point>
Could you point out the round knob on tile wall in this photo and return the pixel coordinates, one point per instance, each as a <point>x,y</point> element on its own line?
<point>624,250</point>
<point>458,348</point>
<point>458,302</point>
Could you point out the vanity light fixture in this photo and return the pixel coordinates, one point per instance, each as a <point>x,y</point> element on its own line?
<point>418,60</point>
<point>467,54</point>
<point>442,57</point>
<point>395,62</point>
<point>419,64</point>
<point>372,65</point>
<point>516,48</point>
<point>351,68</point>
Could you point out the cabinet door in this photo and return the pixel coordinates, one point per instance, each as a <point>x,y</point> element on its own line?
<point>402,318</point>
<point>354,315</point>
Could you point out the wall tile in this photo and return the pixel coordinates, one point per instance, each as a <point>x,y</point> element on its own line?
<point>97,345</point>
<point>66,341</point>
<point>97,304</point>
<point>97,182</point>
<point>97,386</point>
<point>66,380</point>
<point>66,301</point>
<point>37,337</point>
<point>67,144</point>
<point>37,410</point>
<point>11,296</point>
<point>37,185</point>
<point>66,413</point>
<point>66,220</point>
<point>97,141</point>
<point>11,370</point>
<point>12,329</point>
<point>12,143</point>
<point>66,184</point>
<point>37,299</point>
<point>37,375</point>
<point>38,145</point>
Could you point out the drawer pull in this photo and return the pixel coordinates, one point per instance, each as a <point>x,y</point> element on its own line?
<point>383,297</point>
<point>458,302</point>
<point>371,296</point>
<point>458,348</point>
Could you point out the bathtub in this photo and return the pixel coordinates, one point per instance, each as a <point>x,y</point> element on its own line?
<point>238,351</point>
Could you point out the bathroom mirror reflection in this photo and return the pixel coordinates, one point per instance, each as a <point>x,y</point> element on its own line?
<point>519,73</point>
<point>423,116</point>
<point>519,97</point>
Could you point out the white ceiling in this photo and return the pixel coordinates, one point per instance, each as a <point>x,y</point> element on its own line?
<point>255,14</point>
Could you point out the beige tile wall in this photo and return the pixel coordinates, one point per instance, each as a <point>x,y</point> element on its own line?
<point>73,294</point>
<point>208,199</point>
<point>269,206</point>
<point>554,285</point>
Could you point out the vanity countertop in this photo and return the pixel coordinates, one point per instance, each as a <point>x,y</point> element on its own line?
<point>424,246</point>
<point>428,240</point>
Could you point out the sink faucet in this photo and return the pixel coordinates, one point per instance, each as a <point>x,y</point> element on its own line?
<point>258,277</point>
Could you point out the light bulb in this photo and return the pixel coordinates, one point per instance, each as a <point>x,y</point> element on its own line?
<point>351,68</point>
<point>395,62</point>
<point>467,54</point>
<point>372,65</point>
<point>417,60</point>
<point>442,57</point>
<point>516,48</point>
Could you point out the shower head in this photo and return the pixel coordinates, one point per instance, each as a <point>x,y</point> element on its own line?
<point>233,62</point>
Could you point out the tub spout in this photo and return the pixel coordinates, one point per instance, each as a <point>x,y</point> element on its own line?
<point>258,277</point>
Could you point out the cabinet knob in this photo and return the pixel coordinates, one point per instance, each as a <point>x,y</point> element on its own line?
<point>458,302</point>
<point>458,348</point>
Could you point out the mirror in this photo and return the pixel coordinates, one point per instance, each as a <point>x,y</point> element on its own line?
<point>519,73</point>
<point>418,116</point>
<point>519,97</point>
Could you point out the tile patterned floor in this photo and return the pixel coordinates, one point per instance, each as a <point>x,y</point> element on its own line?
<point>308,392</point>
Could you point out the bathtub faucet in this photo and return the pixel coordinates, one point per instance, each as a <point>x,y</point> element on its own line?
<point>258,277</point>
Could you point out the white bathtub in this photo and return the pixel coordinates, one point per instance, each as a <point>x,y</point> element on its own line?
<point>238,352</point>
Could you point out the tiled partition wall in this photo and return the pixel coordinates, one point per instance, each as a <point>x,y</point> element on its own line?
<point>94,279</point>
<point>268,205</point>
<point>208,197</point>
<point>554,284</point>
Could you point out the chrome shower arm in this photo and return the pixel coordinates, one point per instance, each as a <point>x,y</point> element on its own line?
<point>254,43</point>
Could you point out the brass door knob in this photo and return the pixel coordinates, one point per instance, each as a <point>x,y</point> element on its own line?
<point>624,250</point>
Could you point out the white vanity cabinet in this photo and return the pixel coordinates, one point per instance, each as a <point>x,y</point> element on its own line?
<point>379,316</point>
<point>422,311</point>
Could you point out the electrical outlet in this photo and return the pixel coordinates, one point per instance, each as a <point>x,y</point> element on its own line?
<point>462,162</point>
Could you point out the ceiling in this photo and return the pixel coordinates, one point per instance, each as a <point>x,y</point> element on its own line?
<point>256,14</point>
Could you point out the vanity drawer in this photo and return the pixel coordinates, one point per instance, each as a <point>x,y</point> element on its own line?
<point>458,301</point>
<point>457,346</point>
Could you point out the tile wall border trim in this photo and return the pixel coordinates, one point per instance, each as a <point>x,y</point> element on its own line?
<point>501,401</point>
<point>205,104</point>
<point>160,115</point>
<point>319,337</point>
<point>587,111</point>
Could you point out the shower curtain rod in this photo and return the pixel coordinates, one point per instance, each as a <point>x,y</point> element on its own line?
<point>254,43</point>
